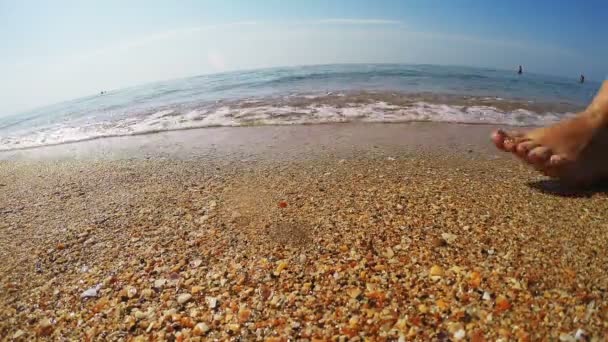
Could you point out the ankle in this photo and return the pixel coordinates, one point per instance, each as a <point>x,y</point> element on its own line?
<point>600,102</point>
<point>599,118</point>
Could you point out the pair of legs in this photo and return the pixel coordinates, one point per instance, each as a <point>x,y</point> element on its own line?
<point>573,150</point>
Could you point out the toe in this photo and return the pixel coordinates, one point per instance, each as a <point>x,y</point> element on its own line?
<point>511,144</point>
<point>556,166</point>
<point>539,155</point>
<point>498,138</point>
<point>506,141</point>
<point>523,148</point>
<point>557,160</point>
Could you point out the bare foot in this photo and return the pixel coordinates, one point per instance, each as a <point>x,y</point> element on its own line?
<point>573,150</point>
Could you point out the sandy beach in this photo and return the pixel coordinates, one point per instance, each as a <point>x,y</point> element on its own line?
<point>345,232</point>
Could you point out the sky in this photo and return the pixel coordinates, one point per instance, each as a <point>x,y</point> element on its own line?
<point>57,50</point>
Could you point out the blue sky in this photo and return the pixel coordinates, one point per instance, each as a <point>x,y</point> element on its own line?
<point>58,50</point>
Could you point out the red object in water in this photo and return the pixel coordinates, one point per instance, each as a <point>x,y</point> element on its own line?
<point>282,204</point>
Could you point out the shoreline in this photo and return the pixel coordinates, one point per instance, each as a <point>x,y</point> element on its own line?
<point>418,231</point>
<point>200,142</point>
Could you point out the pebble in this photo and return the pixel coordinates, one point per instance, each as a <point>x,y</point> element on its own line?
<point>244,314</point>
<point>449,238</point>
<point>131,291</point>
<point>160,283</point>
<point>436,271</point>
<point>280,267</point>
<point>502,303</point>
<point>564,337</point>
<point>91,292</point>
<point>196,263</point>
<point>200,329</point>
<point>147,293</point>
<point>389,253</point>
<point>184,298</point>
<point>353,292</point>
<point>475,279</point>
<point>580,335</point>
<point>211,302</point>
<point>459,335</point>
<point>45,327</point>
<point>140,315</point>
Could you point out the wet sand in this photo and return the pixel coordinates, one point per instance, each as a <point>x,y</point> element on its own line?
<point>415,231</point>
<point>271,142</point>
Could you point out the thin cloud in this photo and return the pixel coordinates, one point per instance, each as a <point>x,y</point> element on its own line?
<point>348,21</point>
<point>138,42</point>
<point>145,40</point>
<point>522,45</point>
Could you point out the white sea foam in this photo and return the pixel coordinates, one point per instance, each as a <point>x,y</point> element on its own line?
<point>267,114</point>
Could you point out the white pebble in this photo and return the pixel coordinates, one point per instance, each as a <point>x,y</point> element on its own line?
<point>184,298</point>
<point>91,292</point>
<point>566,338</point>
<point>459,335</point>
<point>140,315</point>
<point>449,238</point>
<point>211,301</point>
<point>160,283</point>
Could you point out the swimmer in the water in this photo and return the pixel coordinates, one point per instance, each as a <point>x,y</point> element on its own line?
<point>521,70</point>
<point>582,78</point>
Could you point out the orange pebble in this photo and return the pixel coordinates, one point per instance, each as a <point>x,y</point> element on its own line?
<point>502,304</point>
<point>475,280</point>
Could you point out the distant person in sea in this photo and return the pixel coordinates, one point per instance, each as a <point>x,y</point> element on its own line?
<point>520,71</point>
<point>573,150</point>
<point>582,78</point>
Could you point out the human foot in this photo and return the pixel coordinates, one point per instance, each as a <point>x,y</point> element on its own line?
<point>573,150</point>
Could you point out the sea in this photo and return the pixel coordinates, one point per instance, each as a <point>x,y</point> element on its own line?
<point>379,93</point>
